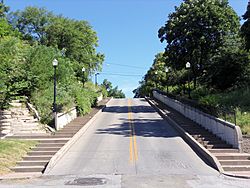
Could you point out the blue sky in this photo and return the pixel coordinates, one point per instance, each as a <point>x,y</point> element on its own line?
<point>127,31</point>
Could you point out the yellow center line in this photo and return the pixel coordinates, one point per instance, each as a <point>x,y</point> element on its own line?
<point>132,145</point>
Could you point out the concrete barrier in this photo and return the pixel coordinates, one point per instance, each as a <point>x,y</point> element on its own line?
<point>64,118</point>
<point>224,130</point>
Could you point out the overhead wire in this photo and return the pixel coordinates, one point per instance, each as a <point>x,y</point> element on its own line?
<point>117,74</point>
<point>128,66</point>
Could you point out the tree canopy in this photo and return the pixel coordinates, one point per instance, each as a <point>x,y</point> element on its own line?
<point>245,28</point>
<point>196,30</point>
<point>75,36</point>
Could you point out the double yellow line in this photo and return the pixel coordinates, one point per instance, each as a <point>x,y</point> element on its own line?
<point>133,154</point>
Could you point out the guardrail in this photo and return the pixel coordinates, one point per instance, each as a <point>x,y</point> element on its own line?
<point>222,129</point>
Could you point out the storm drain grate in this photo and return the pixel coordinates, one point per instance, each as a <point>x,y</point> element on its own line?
<point>87,181</point>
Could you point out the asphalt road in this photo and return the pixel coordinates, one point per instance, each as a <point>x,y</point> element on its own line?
<point>130,145</point>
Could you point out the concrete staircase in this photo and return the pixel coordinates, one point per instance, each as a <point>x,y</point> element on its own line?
<point>232,161</point>
<point>39,156</point>
<point>22,122</point>
<point>49,144</point>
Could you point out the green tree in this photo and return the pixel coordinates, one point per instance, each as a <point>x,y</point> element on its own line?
<point>32,23</point>
<point>196,30</point>
<point>6,29</point>
<point>77,37</point>
<point>80,41</point>
<point>245,28</point>
<point>3,9</point>
<point>13,70</point>
<point>229,67</point>
<point>107,84</point>
<point>112,92</point>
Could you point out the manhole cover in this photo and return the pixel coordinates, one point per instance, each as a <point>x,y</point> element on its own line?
<point>87,181</point>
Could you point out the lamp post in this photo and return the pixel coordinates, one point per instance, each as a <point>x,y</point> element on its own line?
<point>83,70</point>
<point>55,63</point>
<point>188,65</point>
<point>96,77</point>
<point>167,70</point>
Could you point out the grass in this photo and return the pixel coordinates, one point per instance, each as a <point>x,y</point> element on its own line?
<point>227,101</point>
<point>12,151</point>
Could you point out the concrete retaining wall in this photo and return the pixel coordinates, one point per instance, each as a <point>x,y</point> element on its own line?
<point>64,118</point>
<point>224,130</point>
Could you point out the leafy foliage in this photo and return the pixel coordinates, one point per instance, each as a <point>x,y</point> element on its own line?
<point>196,30</point>
<point>77,37</point>
<point>112,92</point>
<point>245,28</point>
<point>27,49</point>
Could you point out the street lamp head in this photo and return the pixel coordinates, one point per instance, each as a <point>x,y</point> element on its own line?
<point>55,62</point>
<point>83,69</point>
<point>63,51</point>
<point>188,65</point>
<point>97,73</point>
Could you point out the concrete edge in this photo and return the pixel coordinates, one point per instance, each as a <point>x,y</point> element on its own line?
<point>235,176</point>
<point>20,176</point>
<point>239,138</point>
<point>60,153</point>
<point>196,146</point>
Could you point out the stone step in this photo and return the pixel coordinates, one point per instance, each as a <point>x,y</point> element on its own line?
<point>204,136</point>
<point>208,142</point>
<point>28,168</point>
<point>26,128</point>
<point>32,163</point>
<point>232,156</point>
<point>29,137</point>
<point>198,131</point>
<point>236,167</point>
<point>223,150</point>
<point>234,162</point>
<point>201,135</point>
<point>65,134</point>
<point>71,127</point>
<point>53,145</point>
<point>26,118</point>
<point>39,137</point>
<point>25,124</point>
<point>41,153</point>
<point>37,158</point>
<point>61,141</point>
<point>213,146</point>
<point>5,120</point>
<point>16,104</point>
<point>46,148</point>
<point>68,131</point>
<point>207,139</point>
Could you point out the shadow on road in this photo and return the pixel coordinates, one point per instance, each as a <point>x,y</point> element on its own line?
<point>143,126</point>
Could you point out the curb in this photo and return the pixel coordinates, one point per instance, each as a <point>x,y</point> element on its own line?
<point>21,176</point>
<point>197,147</point>
<point>60,153</point>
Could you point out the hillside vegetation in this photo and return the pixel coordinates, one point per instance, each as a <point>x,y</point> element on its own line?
<point>206,59</point>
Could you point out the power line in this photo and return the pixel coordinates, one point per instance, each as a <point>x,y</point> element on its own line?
<point>121,65</point>
<point>116,74</point>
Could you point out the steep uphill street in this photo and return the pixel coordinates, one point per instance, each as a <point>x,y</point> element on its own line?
<point>130,145</point>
